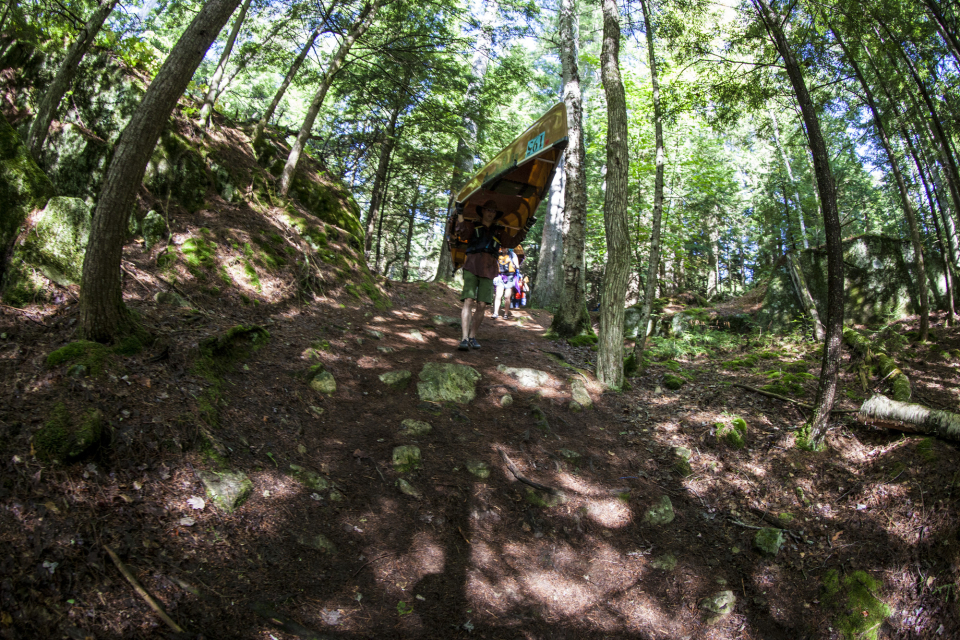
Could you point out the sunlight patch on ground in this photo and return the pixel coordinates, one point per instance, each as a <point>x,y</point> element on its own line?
<point>611,513</point>
<point>561,595</point>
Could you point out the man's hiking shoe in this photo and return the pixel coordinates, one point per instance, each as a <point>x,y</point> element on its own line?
<point>473,343</point>
<point>464,345</point>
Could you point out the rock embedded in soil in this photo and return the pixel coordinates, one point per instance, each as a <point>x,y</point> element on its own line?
<point>578,390</point>
<point>673,382</point>
<point>316,541</point>
<point>660,513</point>
<point>445,321</point>
<point>528,378</point>
<point>479,469</point>
<point>682,464</point>
<point>373,333</point>
<point>448,383</point>
<point>416,335</point>
<point>170,298</point>
<point>720,604</point>
<point>226,489</point>
<point>406,458</point>
<point>386,349</point>
<point>769,540</point>
<point>324,382</point>
<point>309,478</point>
<point>396,380</point>
<point>506,400</point>
<point>666,562</point>
<point>414,428</point>
<point>408,489</point>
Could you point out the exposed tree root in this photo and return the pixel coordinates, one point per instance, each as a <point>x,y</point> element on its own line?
<point>516,474</point>
<point>288,625</point>
<point>141,591</point>
<point>909,417</point>
<point>803,405</point>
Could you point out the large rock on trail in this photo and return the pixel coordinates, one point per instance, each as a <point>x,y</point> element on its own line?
<point>397,380</point>
<point>56,243</point>
<point>529,378</point>
<point>226,489</point>
<point>660,513</point>
<point>448,383</point>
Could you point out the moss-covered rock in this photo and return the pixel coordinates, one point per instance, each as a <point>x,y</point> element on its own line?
<point>734,434</point>
<point>768,541</point>
<point>860,613</point>
<point>62,439</point>
<point>447,383</point>
<point>673,382</point>
<point>153,228</point>
<point>56,242</point>
<point>226,489</point>
<point>406,458</point>
<point>177,170</point>
<point>328,202</point>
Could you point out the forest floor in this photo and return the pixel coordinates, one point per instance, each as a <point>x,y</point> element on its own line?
<point>874,516</point>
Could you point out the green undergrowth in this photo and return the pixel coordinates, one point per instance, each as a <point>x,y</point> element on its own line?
<point>859,610</point>
<point>92,358</point>
<point>806,443</point>
<point>784,384</point>
<point>700,341</point>
<point>218,356</point>
<point>734,433</point>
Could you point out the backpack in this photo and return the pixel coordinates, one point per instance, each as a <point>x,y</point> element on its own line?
<point>483,240</point>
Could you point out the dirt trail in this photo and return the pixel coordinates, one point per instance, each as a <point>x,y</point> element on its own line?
<point>470,557</point>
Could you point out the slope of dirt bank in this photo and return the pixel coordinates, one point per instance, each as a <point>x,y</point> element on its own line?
<point>470,556</point>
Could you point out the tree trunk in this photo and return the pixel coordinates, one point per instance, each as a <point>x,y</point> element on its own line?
<point>901,186</point>
<point>572,317</point>
<point>830,363</point>
<point>653,266</point>
<point>947,266</point>
<point>793,182</point>
<point>102,313</point>
<point>214,89</point>
<point>359,28</point>
<point>881,411</point>
<point>712,232</point>
<point>547,288</point>
<point>383,202</point>
<point>379,178</point>
<point>282,89</point>
<point>610,354</point>
<point>406,251</point>
<point>803,293</point>
<point>949,36</point>
<point>47,109</point>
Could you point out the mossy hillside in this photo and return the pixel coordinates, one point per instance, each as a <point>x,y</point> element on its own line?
<point>859,611</point>
<point>23,186</point>
<point>62,439</point>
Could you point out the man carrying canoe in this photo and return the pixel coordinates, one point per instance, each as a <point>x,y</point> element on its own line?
<point>483,245</point>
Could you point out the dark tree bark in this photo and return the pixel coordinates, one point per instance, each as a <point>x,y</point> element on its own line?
<point>572,318</point>
<point>379,178</point>
<point>214,89</point>
<point>47,109</point>
<point>948,34</point>
<point>360,27</point>
<point>282,89</point>
<point>547,288</point>
<point>830,363</point>
<point>102,313</point>
<point>653,267</point>
<point>409,243</point>
<point>610,354</point>
<point>383,202</point>
<point>901,186</point>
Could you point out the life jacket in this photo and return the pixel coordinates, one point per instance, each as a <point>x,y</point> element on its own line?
<point>507,264</point>
<point>483,240</point>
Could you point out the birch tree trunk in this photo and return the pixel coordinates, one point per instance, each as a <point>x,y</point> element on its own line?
<point>830,363</point>
<point>610,354</point>
<point>102,313</point>
<point>360,27</point>
<point>47,109</point>
<point>282,89</point>
<point>913,418</point>
<point>901,186</point>
<point>214,89</point>
<point>653,267</point>
<point>380,177</point>
<point>572,317</point>
<point>547,288</point>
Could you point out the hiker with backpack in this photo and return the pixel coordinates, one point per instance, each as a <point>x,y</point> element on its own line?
<point>484,240</point>
<point>509,266</point>
<point>520,289</point>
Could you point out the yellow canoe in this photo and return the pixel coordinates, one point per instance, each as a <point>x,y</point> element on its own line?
<point>515,181</point>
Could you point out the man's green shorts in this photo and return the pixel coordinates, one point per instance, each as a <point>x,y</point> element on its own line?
<point>480,289</point>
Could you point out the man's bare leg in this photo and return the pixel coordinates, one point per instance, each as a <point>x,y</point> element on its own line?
<point>497,296</point>
<point>477,319</point>
<point>466,317</point>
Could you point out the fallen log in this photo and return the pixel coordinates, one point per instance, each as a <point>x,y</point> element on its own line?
<point>889,370</point>
<point>909,417</point>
